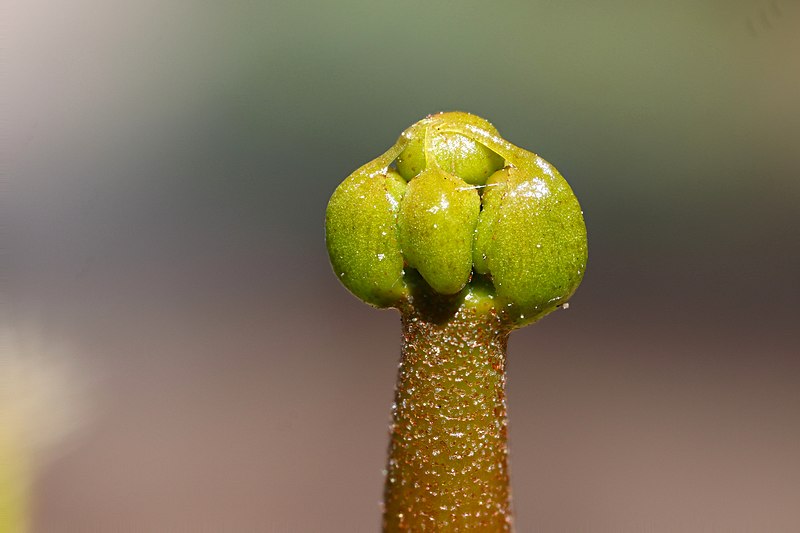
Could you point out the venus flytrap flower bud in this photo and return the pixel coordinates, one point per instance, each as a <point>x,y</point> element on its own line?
<point>455,153</point>
<point>485,237</point>
<point>536,253</point>
<point>436,224</point>
<point>362,236</point>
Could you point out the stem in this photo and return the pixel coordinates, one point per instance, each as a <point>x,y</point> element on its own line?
<point>448,453</point>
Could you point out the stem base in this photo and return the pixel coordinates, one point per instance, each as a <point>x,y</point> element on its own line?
<point>448,468</point>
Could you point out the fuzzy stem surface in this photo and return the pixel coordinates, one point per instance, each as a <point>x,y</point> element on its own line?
<point>448,468</point>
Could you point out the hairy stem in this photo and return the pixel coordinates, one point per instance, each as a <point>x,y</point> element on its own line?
<point>448,454</point>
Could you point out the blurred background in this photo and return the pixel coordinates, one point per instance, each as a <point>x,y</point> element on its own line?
<point>192,363</point>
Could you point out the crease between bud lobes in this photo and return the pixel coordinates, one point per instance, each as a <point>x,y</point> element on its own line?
<point>361,234</point>
<point>491,201</point>
<point>436,224</point>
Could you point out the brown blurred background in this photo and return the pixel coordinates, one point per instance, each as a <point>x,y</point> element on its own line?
<point>168,168</point>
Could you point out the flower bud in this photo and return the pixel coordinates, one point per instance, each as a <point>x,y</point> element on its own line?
<point>361,233</point>
<point>523,239</point>
<point>454,153</point>
<point>536,252</point>
<point>436,224</point>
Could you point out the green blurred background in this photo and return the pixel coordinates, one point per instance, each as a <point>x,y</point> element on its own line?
<point>168,168</point>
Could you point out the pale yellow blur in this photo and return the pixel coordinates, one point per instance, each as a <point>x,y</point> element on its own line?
<point>38,408</point>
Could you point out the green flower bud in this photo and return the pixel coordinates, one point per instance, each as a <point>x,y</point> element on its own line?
<point>361,233</point>
<point>454,153</point>
<point>536,252</point>
<point>519,249</point>
<point>436,224</point>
